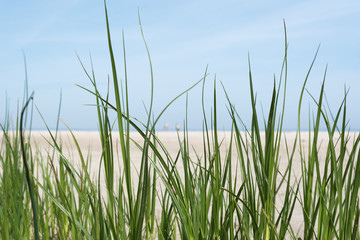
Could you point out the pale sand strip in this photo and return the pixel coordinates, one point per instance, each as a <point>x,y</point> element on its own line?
<point>89,142</point>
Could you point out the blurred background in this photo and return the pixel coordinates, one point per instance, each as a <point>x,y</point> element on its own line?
<point>184,38</point>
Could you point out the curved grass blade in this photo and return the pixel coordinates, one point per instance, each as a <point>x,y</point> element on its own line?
<point>28,180</point>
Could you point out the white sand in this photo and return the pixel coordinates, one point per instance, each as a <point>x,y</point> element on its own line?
<point>90,144</point>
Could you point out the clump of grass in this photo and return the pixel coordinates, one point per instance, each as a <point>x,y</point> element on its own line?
<point>210,198</point>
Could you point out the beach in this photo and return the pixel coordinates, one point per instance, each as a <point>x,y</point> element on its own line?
<point>90,146</point>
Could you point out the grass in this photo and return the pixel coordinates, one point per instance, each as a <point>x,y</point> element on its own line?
<point>47,197</point>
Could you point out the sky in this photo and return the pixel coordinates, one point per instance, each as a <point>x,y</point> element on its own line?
<point>184,38</point>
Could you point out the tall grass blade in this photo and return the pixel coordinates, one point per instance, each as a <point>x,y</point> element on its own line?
<point>27,171</point>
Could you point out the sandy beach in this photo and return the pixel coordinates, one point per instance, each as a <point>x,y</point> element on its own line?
<point>90,145</point>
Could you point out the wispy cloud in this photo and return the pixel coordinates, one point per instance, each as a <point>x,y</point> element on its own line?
<point>304,20</point>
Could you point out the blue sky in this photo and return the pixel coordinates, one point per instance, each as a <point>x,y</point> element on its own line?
<point>183,38</point>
